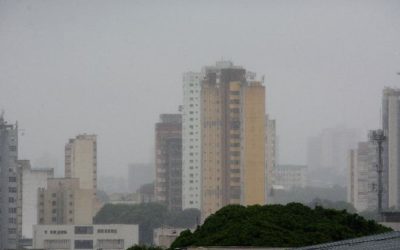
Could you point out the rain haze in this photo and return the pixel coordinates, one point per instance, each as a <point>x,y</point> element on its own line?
<point>111,67</point>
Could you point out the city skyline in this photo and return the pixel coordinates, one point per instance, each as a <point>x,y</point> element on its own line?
<point>99,73</point>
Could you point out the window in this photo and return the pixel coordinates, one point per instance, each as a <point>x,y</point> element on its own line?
<point>83,244</point>
<point>83,230</point>
<point>12,179</point>
<point>12,189</point>
<point>12,148</point>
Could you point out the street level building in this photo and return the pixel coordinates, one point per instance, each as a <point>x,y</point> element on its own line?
<point>164,237</point>
<point>71,237</point>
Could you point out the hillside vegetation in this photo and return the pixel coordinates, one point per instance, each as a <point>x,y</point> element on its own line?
<point>291,225</point>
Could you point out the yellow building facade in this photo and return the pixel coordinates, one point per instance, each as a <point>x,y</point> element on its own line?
<point>233,139</point>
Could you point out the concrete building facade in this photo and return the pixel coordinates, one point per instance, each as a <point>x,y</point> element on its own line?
<point>253,143</point>
<point>191,141</point>
<point>363,177</point>
<point>31,180</point>
<point>64,202</point>
<point>71,237</point>
<point>164,237</point>
<point>9,211</point>
<point>391,152</point>
<point>233,138</point>
<point>290,176</point>
<point>270,157</point>
<point>81,160</point>
<point>168,155</point>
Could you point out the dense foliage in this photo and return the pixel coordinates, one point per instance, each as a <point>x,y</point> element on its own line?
<point>292,225</point>
<point>148,216</point>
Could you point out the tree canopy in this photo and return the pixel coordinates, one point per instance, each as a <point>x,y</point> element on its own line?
<point>291,225</point>
<point>148,216</point>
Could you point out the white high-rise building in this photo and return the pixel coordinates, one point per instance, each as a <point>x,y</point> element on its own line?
<point>391,152</point>
<point>191,141</point>
<point>31,180</point>
<point>363,179</point>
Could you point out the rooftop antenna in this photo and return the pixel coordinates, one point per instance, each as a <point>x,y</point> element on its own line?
<point>263,79</point>
<point>378,137</point>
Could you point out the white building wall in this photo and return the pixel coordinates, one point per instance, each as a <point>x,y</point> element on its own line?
<point>367,181</point>
<point>393,133</point>
<point>191,141</point>
<point>270,159</point>
<point>108,237</point>
<point>32,180</point>
<point>290,176</point>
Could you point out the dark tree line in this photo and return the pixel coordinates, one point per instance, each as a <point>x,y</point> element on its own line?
<point>148,216</point>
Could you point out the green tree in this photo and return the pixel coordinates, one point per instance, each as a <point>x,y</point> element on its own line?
<point>144,247</point>
<point>292,225</point>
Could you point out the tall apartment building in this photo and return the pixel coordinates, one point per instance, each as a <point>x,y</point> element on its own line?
<point>363,178</point>
<point>191,141</point>
<point>270,157</point>
<point>8,185</point>
<point>31,180</point>
<point>81,160</point>
<point>391,152</point>
<point>168,150</point>
<point>233,138</point>
<point>64,202</point>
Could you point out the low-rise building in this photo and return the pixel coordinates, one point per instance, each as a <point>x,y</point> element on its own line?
<point>164,237</point>
<point>71,237</point>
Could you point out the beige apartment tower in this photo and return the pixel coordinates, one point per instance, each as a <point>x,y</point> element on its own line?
<point>81,160</point>
<point>253,143</point>
<point>233,138</point>
<point>64,202</point>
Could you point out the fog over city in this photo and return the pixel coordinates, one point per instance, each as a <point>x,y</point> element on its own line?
<point>111,67</point>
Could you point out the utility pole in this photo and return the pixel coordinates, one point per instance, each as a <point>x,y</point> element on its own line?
<point>378,137</point>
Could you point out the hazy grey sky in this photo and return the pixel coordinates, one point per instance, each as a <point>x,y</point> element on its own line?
<point>111,67</point>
